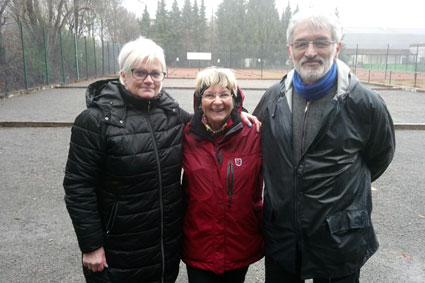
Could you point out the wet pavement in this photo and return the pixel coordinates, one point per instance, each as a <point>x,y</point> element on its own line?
<point>64,104</point>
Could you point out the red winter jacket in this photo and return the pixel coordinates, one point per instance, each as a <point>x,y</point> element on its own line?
<point>223,182</point>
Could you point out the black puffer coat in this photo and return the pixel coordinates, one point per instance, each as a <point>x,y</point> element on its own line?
<point>322,204</point>
<point>122,183</point>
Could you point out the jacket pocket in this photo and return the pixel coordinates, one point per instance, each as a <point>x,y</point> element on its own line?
<point>347,220</point>
<point>111,219</point>
<point>347,240</point>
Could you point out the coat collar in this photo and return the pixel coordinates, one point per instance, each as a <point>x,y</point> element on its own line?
<point>345,82</point>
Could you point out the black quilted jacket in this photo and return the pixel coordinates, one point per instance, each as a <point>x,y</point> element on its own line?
<point>122,183</point>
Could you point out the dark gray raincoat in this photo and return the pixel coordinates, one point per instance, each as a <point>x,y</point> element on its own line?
<point>322,204</point>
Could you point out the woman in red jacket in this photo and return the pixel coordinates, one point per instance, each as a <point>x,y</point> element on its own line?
<point>223,184</point>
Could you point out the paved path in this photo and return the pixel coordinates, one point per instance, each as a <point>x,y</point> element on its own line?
<point>37,242</point>
<point>63,104</point>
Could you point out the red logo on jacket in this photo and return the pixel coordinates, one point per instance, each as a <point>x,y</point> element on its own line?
<point>238,162</point>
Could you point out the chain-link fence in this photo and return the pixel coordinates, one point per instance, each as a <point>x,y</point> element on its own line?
<point>401,67</point>
<point>404,67</point>
<point>35,56</point>
<point>248,56</point>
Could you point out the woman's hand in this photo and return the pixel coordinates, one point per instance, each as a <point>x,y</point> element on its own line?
<point>249,118</point>
<point>95,260</point>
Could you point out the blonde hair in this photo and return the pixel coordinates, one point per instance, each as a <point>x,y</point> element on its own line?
<point>215,76</point>
<point>134,52</point>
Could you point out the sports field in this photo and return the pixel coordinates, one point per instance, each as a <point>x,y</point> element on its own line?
<point>391,78</point>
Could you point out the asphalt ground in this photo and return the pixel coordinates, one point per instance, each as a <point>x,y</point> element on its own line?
<point>37,241</point>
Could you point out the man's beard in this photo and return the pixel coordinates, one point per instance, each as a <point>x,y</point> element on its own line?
<point>311,75</point>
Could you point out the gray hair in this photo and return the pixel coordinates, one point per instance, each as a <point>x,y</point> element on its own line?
<point>135,52</point>
<point>216,76</point>
<point>318,19</point>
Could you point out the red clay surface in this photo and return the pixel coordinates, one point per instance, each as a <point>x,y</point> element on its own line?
<point>373,76</point>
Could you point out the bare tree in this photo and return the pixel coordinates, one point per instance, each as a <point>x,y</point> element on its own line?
<point>53,15</point>
<point>2,23</point>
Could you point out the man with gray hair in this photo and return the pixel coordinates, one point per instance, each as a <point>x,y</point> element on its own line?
<point>325,138</point>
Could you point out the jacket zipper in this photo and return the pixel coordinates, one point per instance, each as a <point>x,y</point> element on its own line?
<point>302,149</point>
<point>325,121</point>
<point>304,132</point>
<point>218,155</point>
<point>230,181</point>
<point>112,217</point>
<point>161,205</point>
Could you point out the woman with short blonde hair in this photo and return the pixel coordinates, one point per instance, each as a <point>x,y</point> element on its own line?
<point>223,184</point>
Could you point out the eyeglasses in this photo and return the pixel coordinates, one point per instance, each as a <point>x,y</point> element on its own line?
<point>301,45</point>
<point>141,75</point>
<point>222,96</point>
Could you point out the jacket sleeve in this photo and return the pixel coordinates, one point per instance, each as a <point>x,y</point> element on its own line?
<point>185,117</point>
<point>82,175</point>
<point>379,150</point>
<point>259,109</point>
<point>269,95</point>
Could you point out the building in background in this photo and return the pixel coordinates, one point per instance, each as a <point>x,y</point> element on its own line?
<point>377,47</point>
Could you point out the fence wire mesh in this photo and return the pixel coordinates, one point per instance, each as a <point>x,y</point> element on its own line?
<point>34,56</point>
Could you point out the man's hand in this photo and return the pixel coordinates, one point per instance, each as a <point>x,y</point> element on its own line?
<point>249,118</point>
<point>95,260</point>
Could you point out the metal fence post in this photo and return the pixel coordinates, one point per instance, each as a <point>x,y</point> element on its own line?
<point>46,62</point>
<point>86,55</point>
<point>109,61</point>
<point>94,54</point>
<point>103,57</point>
<point>262,59</point>
<point>390,77</point>
<point>416,64</point>
<point>61,47</point>
<point>23,55</point>
<point>77,72</point>
<point>355,62</point>
<point>386,61</point>
<point>113,56</point>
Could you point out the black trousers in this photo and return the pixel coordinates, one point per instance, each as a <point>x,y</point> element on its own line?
<point>196,275</point>
<point>275,274</point>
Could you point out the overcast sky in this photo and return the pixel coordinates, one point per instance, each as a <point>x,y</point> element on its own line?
<point>353,13</point>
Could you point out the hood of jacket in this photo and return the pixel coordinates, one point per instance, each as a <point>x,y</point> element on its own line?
<point>113,99</point>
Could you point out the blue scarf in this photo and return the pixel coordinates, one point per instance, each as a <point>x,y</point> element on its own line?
<point>317,90</point>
